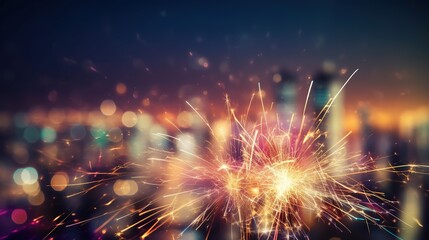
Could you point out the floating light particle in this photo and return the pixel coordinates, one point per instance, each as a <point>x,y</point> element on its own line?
<point>146,102</point>
<point>203,62</point>
<point>121,88</point>
<point>277,78</point>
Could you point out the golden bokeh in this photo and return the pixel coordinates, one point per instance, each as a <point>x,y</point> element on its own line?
<point>59,181</point>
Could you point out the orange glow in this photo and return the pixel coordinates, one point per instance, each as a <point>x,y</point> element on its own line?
<point>352,123</point>
<point>56,116</point>
<point>36,200</point>
<point>59,181</point>
<point>146,102</point>
<point>125,187</point>
<point>222,130</point>
<point>121,88</point>
<point>108,107</point>
<point>382,120</point>
<point>129,119</point>
<point>184,119</point>
<point>31,189</point>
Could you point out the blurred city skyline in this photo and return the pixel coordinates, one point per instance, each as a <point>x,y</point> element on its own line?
<point>60,54</point>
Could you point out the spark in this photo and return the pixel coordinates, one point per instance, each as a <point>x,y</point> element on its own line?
<point>277,177</point>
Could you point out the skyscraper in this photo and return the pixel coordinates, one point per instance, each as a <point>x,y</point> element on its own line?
<point>286,94</point>
<point>326,85</point>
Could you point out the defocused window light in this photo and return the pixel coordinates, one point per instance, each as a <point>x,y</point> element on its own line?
<point>186,142</point>
<point>121,88</point>
<point>37,116</point>
<point>19,216</point>
<point>185,119</point>
<point>20,152</point>
<point>108,107</point>
<point>31,134</point>
<point>95,118</point>
<point>4,120</point>
<point>29,175</point>
<point>77,132</point>
<point>56,116</point>
<point>31,189</point>
<point>222,130</point>
<point>125,187</point>
<point>115,135</point>
<point>97,132</point>
<point>100,135</point>
<point>146,102</point>
<point>17,176</point>
<point>203,62</point>
<point>36,200</point>
<point>277,78</point>
<point>60,181</point>
<point>48,135</point>
<point>144,122</point>
<point>20,120</point>
<point>192,235</point>
<point>129,119</point>
<point>74,116</point>
<point>156,136</point>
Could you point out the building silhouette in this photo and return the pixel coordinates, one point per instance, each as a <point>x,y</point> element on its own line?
<point>285,96</point>
<point>326,86</point>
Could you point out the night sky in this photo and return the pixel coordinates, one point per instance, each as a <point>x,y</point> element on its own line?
<point>81,51</point>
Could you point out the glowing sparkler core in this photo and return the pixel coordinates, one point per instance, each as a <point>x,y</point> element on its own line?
<point>283,182</point>
<point>233,186</point>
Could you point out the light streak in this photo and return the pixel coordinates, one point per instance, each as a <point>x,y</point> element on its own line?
<point>278,176</point>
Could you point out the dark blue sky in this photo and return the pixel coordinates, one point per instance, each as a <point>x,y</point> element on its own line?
<point>78,49</point>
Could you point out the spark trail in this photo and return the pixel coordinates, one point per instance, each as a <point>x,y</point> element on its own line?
<point>265,181</point>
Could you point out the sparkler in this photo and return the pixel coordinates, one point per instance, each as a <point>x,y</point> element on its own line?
<point>281,174</point>
<point>266,186</point>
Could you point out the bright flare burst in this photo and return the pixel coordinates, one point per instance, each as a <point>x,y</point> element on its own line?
<point>266,181</point>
